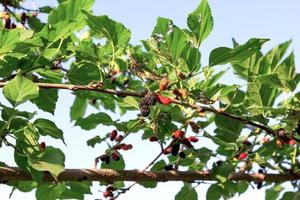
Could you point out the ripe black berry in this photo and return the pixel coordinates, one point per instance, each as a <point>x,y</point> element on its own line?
<point>182,155</point>
<point>259,185</point>
<point>168,167</point>
<point>175,149</point>
<point>24,17</point>
<point>115,156</point>
<point>219,163</point>
<point>7,23</point>
<point>186,142</point>
<point>113,135</point>
<point>153,138</point>
<point>145,111</point>
<point>105,158</point>
<point>148,100</point>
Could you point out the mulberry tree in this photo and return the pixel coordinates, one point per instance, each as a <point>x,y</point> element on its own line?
<point>175,104</point>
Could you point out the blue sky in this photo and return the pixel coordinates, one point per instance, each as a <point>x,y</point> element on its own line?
<point>274,19</point>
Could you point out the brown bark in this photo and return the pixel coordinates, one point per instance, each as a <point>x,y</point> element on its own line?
<point>14,173</point>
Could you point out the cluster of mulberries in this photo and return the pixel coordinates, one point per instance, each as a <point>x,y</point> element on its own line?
<point>285,138</point>
<point>148,100</point>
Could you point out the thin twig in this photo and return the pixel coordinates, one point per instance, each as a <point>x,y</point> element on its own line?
<point>20,8</point>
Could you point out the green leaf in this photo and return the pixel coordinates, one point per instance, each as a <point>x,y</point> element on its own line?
<point>27,140</point>
<point>20,89</point>
<point>273,193</point>
<point>23,186</point>
<point>204,154</point>
<point>222,172</point>
<point>50,53</point>
<point>78,108</point>
<point>210,78</point>
<point>177,43</point>
<point>290,196</point>
<point>49,191</point>
<point>148,184</point>
<point>86,50</point>
<point>77,190</point>
<point>2,164</point>
<point>191,56</point>
<point>52,160</point>
<point>10,38</point>
<point>286,69</point>
<point>21,160</point>
<point>47,127</point>
<point>201,22</point>
<point>70,10</point>
<point>131,101</point>
<point>187,192</point>
<point>163,124</point>
<point>175,111</point>
<point>23,46</point>
<point>35,24</point>
<point>46,100</point>
<point>223,55</point>
<point>214,192</point>
<point>162,26</point>
<point>93,120</point>
<point>158,166</point>
<point>218,91</point>
<point>58,31</point>
<point>84,73</point>
<point>49,75</point>
<point>244,68</point>
<point>253,98</point>
<point>95,140</point>
<point>228,130</point>
<point>270,61</point>
<point>269,95</point>
<point>114,31</point>
<point>262,92</point>
<point>271,80</point>
<point>242,187</point>
<point>9,113</point>
<point>45,9</point>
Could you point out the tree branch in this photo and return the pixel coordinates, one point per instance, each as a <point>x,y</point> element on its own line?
<point>95,87</point>
<point>92,87</point>
<point>218,112</point>
<point>15,173</point>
